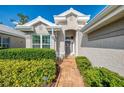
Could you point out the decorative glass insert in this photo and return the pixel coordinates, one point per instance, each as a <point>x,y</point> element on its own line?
<point>36,41</point>
<point>46,41</point>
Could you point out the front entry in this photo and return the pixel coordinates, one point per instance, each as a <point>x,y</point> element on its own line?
<point>70,42</point>
<point>69,47</point>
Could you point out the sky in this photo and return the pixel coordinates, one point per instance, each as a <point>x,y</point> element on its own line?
<point>46,11</point>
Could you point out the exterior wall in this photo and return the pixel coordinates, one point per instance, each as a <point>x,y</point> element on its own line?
<point>57,44</point>
<point>15,42</point>
<point>70,28</point>
<point>61,44</point>
<point>110,36</point>
<point>77,43</point>
<point>29,41</point>
<point>70,33</point>
<point>71,22</point>
<point>106,51</point>
<point>113,42</point>
<point>40,29</point>
<point>110,58</point>
<point>80,35</point>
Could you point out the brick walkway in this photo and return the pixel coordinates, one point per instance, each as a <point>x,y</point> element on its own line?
<point>69,74</point>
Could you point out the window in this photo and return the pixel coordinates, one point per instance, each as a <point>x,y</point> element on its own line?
<point>36,41</point>
<point>0,42</point>
<point>46,41</point>
<point>41,41</point>
<point>4,42</point>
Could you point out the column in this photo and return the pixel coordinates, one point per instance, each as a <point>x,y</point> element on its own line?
<point>76,46</point>
<point>40,41</point>
<point>28,41</point>
<point>62,43</point>
<point>52,39</point>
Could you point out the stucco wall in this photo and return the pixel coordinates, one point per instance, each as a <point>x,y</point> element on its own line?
<point>40,29</point>
<point>71,25</point>
<point>110,36</point>
<point>107,51</point>
<point>113,42</point>
<point>71,22</point>
<point>29,41</point>
<point>61,44</point>
<point>109,58</point>
<point>15,42</point>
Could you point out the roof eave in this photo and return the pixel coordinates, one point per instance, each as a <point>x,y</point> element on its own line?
<point>69,11</point>
<point>100,18</point>
<point>12,34</point>
<point>39,18</point>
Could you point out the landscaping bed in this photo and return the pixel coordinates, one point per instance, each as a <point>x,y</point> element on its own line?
<point>16,73</point>
<point>27,67</point>
<point>27,53</point>
<point>98,76</point>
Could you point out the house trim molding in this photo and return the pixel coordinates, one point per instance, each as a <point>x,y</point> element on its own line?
<point>106,16</point>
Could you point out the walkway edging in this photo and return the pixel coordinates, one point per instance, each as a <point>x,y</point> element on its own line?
<point>58,78</point>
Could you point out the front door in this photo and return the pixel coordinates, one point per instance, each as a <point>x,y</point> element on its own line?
<point>68,47</point>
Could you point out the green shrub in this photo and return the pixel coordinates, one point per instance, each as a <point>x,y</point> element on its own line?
<point>98,77</point>
<point>102,77</point>
<point>17,73</point>
<point>2,48</point>
<point>83,63</point>
<point>27,54</point>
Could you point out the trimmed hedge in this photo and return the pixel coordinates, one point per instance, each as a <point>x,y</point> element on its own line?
<point>98,77</point>
<point>20,73</point>
<point>2,48</point>
<point>28,54</point>
<point>102,77</point>
<point>83,63</point>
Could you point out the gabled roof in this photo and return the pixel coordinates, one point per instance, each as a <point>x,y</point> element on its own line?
<point>71,10</point>
<point>39,19</point>
<point>10,31</point>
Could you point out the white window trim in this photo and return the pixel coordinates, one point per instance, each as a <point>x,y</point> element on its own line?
<point>34,43</point>
<point>46,43</point>
<point>41,44</point>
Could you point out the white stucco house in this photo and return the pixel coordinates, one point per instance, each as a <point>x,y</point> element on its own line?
<point>63,35</point>
<point>101,39</point>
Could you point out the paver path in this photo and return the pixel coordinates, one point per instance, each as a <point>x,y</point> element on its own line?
<point>69,74</point>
